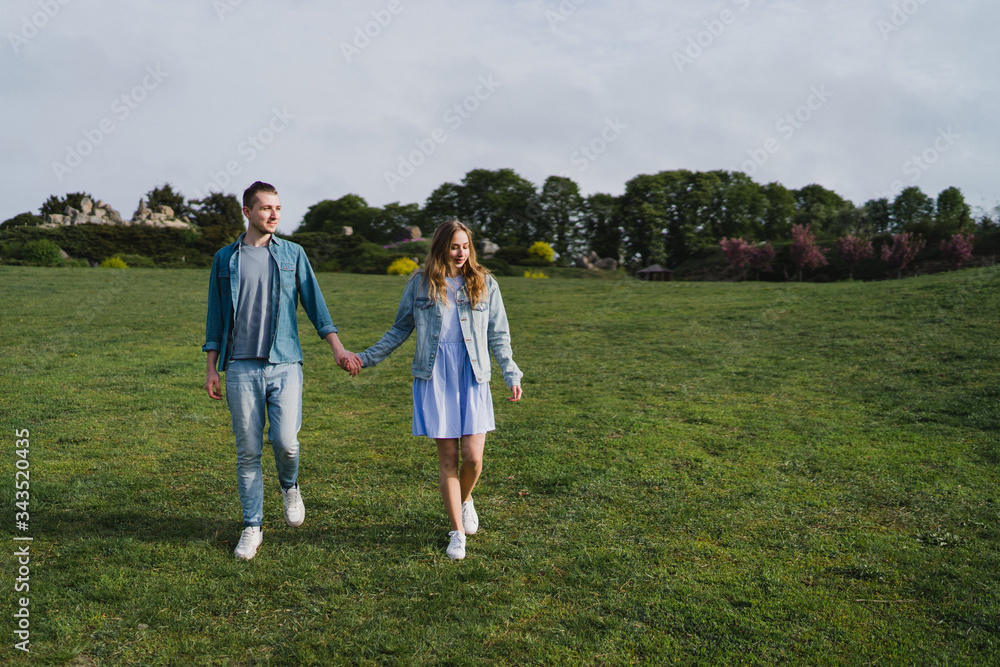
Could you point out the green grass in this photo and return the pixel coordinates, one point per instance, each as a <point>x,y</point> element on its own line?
<point>699,473</point>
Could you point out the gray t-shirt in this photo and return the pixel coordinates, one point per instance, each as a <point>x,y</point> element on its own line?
<point>252,333</point>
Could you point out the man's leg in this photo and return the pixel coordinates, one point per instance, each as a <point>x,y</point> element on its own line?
<point>284,410</point>
<point>245,395</point>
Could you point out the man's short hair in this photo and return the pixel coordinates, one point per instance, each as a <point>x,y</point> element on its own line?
<point>250,194</point>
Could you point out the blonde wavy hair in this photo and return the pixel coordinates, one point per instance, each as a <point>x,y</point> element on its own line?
<point>438,262</point>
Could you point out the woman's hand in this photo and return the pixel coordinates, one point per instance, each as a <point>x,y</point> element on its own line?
<point>350,362</point>
<point>515,395</point>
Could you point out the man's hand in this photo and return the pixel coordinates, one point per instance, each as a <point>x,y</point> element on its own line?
<point>349,361</point>
<point>212,376</point>
<point>212,385</point>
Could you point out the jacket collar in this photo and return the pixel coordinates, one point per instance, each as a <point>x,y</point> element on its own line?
<point>274,239</point>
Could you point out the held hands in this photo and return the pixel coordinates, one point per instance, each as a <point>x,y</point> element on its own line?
<point>349,361</point>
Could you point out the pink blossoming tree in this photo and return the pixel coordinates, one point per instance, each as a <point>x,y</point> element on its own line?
<point>743,255</point>
<point>853,250</point>
<point>958,249</point>
<point>805,253</point>
<point>902,250</point>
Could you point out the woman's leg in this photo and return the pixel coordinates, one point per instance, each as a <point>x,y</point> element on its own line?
<point>448,482</point>
<point>472,462</point>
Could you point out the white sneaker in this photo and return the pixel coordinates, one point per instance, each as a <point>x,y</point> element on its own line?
<point>470,520</point>
<point>456,548</point>
<point>295,510</point>
<point>249,542</point>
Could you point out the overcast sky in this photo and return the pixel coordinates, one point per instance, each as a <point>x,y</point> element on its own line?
<point>388,99</point>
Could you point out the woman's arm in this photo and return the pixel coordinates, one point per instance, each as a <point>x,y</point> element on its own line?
<point>400,331</point>
<point>498,338</point>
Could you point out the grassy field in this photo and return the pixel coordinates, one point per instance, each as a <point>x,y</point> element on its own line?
<point>699,473</point>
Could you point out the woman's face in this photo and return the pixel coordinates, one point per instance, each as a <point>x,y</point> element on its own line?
<point>458,252</point>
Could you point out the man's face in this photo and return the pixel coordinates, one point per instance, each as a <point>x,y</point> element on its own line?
<point>265,214</point>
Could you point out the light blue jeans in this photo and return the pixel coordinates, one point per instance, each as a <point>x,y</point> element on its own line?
<point>254,388</point>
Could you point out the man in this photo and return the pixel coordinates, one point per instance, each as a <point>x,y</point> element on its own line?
<point>251,334</point>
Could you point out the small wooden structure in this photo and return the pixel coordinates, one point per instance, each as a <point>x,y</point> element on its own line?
<point>654,272</point>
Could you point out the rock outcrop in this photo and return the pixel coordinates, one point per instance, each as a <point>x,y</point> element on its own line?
<point>100,213</point>
<point>593,262</point>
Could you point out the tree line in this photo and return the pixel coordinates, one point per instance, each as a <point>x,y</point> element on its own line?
<point>666,218</point>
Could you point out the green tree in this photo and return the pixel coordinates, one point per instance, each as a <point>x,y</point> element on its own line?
<point>166,196</point>
<point>953,214</point>
<point>331,215</point>
<point>444,203</point>
<point>780,211</point>
<point>817,207</point>
<point>643,208</point>
<point>879,215</point>
<point>220,218</point>
<point>390,220</point>
<point>850,220</point>
<point>58,206</point>
<point>912,210</point>
<point>497,204</point>
<point>601,225</point>
<point>560,218</point>
<point>738,209</point>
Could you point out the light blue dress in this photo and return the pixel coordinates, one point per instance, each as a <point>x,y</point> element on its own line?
<point>451,404</point>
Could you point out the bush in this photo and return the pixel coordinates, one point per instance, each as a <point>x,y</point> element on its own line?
<point>11,249</point>
<point>540,250</point>
<point>350,254</point>
<point>535,274</point>
<point>403,266</point>
<point>413,247</point>
<point>42,252</point>
<point>514,254</point>
<point>114,263</point>
<point>137,261</point>
<point>498,267</point>
<point>22,220</point>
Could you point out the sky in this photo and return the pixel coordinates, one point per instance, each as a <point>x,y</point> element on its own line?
<point>389,99</point>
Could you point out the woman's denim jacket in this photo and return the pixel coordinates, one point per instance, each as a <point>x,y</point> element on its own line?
<point>484,329</point>
<point>296,282</point>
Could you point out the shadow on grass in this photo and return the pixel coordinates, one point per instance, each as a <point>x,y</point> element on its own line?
<point>423,532</point>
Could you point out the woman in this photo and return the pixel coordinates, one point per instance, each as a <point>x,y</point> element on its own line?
<point>456,308</point>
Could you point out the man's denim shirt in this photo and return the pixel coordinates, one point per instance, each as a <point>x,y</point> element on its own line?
<point>296,282</point>
<point>484,329</point>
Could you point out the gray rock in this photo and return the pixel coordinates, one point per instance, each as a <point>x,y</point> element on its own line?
<point>490,249</point>
<point>606,264</point>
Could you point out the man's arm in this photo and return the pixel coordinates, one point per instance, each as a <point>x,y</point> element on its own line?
<point>212,376</point>
<point>346,360</point>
